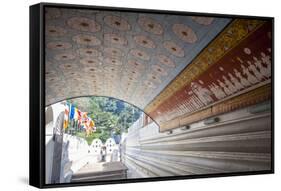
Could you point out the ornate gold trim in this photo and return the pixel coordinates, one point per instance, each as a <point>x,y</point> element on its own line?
<point>227,40</point>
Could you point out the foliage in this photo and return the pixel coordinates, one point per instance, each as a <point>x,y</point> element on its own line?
<point>111,116</point>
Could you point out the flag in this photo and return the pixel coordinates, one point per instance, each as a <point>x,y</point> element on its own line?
<point>84,115</point>
<point>91,123</point>
<point>79,116</point>
<point>72,112</point>
<point>75,114</point>
<point>66,114</point>
<point>84,118</point>
<point>65,124</point>
<point>89,126</point>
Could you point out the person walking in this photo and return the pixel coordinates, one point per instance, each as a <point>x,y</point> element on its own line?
<point>103,154</point>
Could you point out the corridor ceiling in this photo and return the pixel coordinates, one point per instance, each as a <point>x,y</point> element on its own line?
<point>145,59</point>
<point>129,56</point>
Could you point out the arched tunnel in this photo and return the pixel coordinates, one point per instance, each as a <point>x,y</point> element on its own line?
<point>203,84</point>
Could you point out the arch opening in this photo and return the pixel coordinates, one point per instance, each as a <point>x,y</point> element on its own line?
<point>111,117</point>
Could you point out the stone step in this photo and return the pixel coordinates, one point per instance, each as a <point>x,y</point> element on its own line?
<point>107,176</point>
<point>100,171</point>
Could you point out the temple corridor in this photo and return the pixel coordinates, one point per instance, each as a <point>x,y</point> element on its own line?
<point>233,142</point>
<point>203,84</point>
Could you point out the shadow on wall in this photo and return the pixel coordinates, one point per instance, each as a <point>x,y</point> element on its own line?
<point>66,164</point>
<point>54,139</point>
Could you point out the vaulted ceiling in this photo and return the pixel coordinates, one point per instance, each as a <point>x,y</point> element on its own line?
<point>158,62</point>
<point>129,56</point>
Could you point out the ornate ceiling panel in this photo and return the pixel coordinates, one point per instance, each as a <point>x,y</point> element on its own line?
<point>129,56</point>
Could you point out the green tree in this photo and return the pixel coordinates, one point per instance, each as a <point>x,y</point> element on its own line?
<point>111,116</point>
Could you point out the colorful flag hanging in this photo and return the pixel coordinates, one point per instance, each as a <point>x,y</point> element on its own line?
<point>66,114</point>
<point>91,124</point>
<point>75,114</point>
<point>82,119</point>
<point>79,115</point>
<point>72,112</point>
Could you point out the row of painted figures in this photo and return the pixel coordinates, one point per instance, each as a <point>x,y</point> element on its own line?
<point>252,73</point>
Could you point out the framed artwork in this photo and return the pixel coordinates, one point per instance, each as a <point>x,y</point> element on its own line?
<point>122,95</point>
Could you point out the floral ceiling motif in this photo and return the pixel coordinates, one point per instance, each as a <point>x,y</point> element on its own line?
<point>126,55</point>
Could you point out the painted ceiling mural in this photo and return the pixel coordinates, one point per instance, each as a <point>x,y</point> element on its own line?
<point>129,56</point>
<point>171,66</point>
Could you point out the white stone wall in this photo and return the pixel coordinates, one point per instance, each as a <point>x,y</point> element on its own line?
<point>49,143</point>
<point>75,155</point>
<point>49,147</point>
<point>95,150</point>
<point>112,150</point>
<point>239,142</point>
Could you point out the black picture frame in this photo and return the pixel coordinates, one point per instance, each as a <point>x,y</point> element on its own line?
<point>37,96</point>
